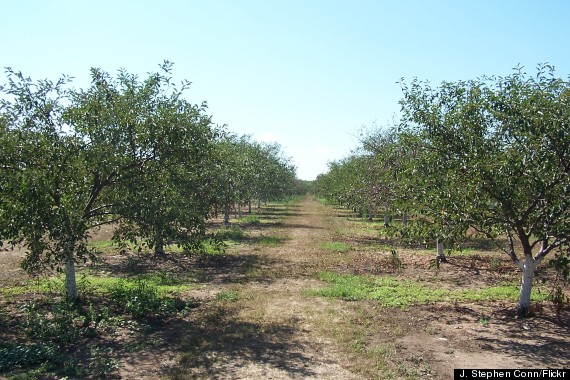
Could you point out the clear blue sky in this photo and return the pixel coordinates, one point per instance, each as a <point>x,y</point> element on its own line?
<point>309,74</point>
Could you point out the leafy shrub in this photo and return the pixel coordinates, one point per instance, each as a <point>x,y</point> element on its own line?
<point>101,363</point>
<point>213,246</point>
<point>15,355</point>
<point>395,259</point>
<point>141,299</point>
<point>56,324</point>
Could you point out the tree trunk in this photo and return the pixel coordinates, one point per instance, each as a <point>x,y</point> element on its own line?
<point>158,238</point>
<point>370,213</point>
<point>527,267</point>
<point>239,210</point>
<point>440,256</point>
<point>227,214</point>
<point>258,204</point>
<point>70,282</point>
<point>249,207</point>
<point>159,248</point>
<point>386,221</point>
<point>405,220</point>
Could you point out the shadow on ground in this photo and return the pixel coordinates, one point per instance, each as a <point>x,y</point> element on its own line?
<point>541,338</point>
<point>218,337</point>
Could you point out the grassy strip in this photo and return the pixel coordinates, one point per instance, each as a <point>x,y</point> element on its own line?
<point>164,283</point>
<point>336,246</point>
<point>250,219</point>
<point>393,292</point>
<point>271,241</point>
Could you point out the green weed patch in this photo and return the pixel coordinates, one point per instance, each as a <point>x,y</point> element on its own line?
<point>141,298</point>
<point>232,233</point>
<point>227,296</point>
<point>271,241</point>
<point>394,292</point>
<point>336,246</point>
<point>250,219</point>
<point>17,355</point>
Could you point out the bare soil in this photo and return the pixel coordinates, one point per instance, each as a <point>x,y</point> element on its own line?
<point>273,328</point>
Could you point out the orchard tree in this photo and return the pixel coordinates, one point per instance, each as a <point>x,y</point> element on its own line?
<point>407,190</point>
<point>230,171</point>
<point>167,206</point>
<point>159,145</point>
<point>246,169</point>
<point>334,185</point>
<point>43,173</point>
<point>387,157</point>
<point>494,154</point>
<point>275,176</point>
<point>72,159</point>
<point>352,183</point>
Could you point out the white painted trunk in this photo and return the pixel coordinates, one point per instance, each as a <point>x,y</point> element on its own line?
<point>239,210</point>
<point>386,220</point>
<point>70,282</point>
<point>527,266</point>
<point>439,248</point>
<point>370,213</point>
<point>440,256</point>
<point>258,204</point>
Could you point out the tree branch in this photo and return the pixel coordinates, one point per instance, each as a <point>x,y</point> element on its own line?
<point>511,252</point>
<point>110,221</point>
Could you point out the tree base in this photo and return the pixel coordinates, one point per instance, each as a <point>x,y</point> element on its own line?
<point>522,312</point>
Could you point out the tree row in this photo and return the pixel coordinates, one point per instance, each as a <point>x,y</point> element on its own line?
<point>124,151</point>
<point>489,156</point>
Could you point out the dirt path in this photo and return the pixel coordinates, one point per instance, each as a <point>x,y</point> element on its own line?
<point>274,330</point>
